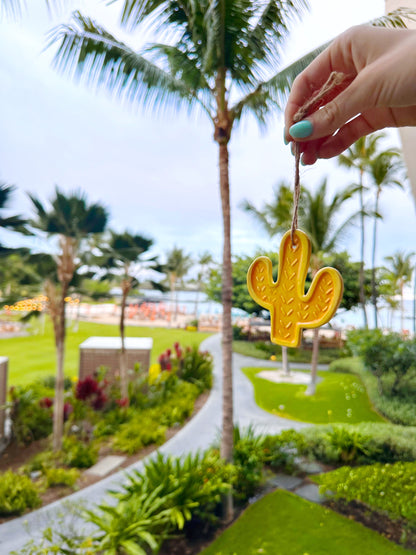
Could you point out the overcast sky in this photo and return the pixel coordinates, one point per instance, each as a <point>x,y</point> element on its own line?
<point>159,176</point>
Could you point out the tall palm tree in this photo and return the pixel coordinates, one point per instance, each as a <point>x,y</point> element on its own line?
<point>176,267</point>
<point>319,220</point>
<point>400,266</point>
<point>275,217</point>
<point>385,171</point>
<point>71,219</point>
<point>359,157</point>
<point>211,49</point>
<point>122,256</point>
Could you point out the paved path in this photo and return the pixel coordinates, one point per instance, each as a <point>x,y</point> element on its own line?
<point>200,433</point>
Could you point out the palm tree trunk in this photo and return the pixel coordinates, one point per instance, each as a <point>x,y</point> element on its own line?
<point>285,361</point>
<point>373,262</point>
<point>123,354</point>
<point>361,275</point>
<point>227,408</point>
<point>314,366</point>
<point>401,307</point>
<point>58,412</point>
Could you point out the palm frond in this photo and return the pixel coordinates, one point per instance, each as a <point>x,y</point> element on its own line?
<point>395,19</point>
<point>88,51</point>
<point>271,28</point>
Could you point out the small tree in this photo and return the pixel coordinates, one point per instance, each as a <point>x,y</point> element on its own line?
<point>176,267</point>
<point>400,266</point>
<point>71,219</point>
<point>122,257</point>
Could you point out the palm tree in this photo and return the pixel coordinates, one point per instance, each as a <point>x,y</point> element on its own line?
<point>400,266</point>
<point>275,217</point>
<point>12,223</point>
<point>176,267</point>
<point>211,49</point>
<point>122,257</point>
<point>359,157</point>
<point>72,220</point>
<point>384,170</point>
<point>319,220</point>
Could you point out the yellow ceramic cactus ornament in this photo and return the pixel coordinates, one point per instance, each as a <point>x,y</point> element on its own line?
<point>290,308</point>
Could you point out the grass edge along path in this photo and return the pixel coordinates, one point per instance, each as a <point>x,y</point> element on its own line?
<point>33,357</point>
<point>338,398</point>
<point>281,523</point>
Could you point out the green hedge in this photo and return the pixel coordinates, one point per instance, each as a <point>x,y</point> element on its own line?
<point>383,487</point>
<point>397,410</point>
<point>364,443</point>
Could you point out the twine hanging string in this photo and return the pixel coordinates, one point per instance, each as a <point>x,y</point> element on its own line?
<point>333,81</point>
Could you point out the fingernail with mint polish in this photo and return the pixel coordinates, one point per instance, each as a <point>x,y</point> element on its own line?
<point>284,136</point>
<point>301,130</point>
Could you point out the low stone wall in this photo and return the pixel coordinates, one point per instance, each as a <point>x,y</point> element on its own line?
<point>105,351</point>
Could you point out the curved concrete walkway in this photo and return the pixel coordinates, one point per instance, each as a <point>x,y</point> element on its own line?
<point>199,433</point>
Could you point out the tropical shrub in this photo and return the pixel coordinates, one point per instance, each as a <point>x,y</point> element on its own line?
<point>195,366</point>
<point>281,451</point>
<point>389,357</point>
<point>136,434</point>
<point>364,443</point>
<point>60,477</point>
<point>383,487</point>
<point>17,493</point>
<point>31,416</point>
<point>248,458</point>
<point>78,454</point>
<point>167,496</point>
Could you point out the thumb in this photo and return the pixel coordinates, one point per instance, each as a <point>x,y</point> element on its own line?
<point>328,119</point>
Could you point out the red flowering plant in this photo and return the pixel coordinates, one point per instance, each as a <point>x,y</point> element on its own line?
<point>92,392</point>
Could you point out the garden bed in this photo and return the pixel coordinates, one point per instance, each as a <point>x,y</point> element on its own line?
<point>16,456</point>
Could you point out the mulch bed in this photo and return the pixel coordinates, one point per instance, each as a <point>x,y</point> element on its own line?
<point>396,531</point>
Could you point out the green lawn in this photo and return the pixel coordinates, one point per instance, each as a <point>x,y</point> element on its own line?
<point>248,348</point>
<point>283,524</point>
<point>338,398</point>
<point>33,357</point>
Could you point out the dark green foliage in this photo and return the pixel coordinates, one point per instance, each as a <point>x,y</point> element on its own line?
<point>282,450</point>
<point>248,459</point>
<point>390,358</point>
<point>17,493</point>
<point>30,418</point>
<point>78,454</point>
<point>196,367</point>
<point>383,487</point>
<point>350,272</point>
<point>365,443</point>
<point>240,297</point>
<point>167,496</point>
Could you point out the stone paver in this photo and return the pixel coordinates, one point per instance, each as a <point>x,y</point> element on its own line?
<point>105,465</point>
<point>200,433</point>
<point>310,467</point>
<point>310,492</point>
<point>285,481</point>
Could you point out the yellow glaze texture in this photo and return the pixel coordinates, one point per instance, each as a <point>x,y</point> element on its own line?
<point>290,308</point>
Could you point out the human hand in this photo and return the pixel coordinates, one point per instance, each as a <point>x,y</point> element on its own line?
<point>379,90</point>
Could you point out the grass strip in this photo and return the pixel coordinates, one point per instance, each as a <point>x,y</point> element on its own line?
<point>282,523</point>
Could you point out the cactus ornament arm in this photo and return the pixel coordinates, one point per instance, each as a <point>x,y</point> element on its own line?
<point>290,308</point>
